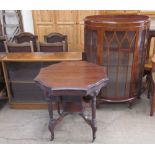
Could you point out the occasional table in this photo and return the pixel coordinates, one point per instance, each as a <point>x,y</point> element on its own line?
<point>74,78</point>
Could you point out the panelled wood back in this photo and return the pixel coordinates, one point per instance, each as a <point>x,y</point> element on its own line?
<point>70,23</point>
<point>119,43</point>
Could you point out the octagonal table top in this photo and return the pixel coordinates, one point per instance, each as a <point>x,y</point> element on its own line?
<point>72,75</point>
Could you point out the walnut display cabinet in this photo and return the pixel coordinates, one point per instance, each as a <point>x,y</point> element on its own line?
<point>118,42</point>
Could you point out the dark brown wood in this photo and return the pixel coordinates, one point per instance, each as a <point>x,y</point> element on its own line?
<point>57,37</point>
<point>63,79</point>
<point>52,47</point>
<point>118,42</point>
<point>22,47</point>
<point>27,37</point>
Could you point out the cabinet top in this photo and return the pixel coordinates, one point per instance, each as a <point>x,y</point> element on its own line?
<point>42,56</point>
<point>117,20</point>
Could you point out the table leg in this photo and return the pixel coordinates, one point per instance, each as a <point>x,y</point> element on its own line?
<point>51,121</point>
<point>94,126</point>
<point>58,108</point>
<point>92,122</point>
<point>54,121</point>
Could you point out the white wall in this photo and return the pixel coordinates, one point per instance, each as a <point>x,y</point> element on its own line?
<point>27,21</point>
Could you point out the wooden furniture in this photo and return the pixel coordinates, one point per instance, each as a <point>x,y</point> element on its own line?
<point>27,37</point>
<point>118,42</point>
<point>63,79</point>
<point>70,23</point>
<point>19,72</point>
<point>57,37</point>
<point>52,47</point>
<point>2,83</point>
<point>16,47</point>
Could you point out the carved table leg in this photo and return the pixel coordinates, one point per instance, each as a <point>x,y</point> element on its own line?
<point>53,122</point>
<point>58,108</point>
<point>92,121</point>
<point>94,127</point>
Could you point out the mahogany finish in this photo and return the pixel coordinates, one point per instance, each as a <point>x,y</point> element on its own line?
<point>118,42</point>
<point>72,79</point>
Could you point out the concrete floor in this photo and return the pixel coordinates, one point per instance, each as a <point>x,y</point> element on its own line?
<point>116,124</point>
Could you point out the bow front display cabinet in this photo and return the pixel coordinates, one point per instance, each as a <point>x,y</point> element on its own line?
<point>119,43</point>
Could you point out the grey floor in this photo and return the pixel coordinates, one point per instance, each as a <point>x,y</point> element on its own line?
<point>116,125</point>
